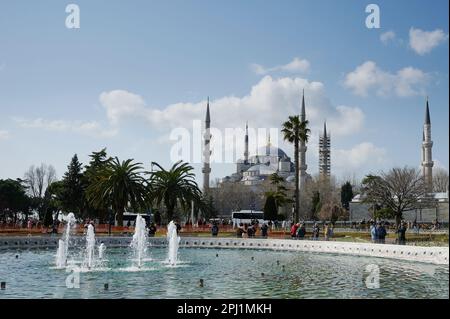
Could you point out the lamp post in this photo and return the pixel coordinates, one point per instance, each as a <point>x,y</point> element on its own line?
<point>110,219</point>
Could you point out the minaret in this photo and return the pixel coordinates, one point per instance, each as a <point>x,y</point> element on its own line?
<point>303,147</point>
<point>207,151</point>
<point>427,144</point>
<point>324,154</point>
<point>268,146</point>
<point>246,144</point>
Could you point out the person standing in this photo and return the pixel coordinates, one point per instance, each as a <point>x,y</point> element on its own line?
<point>301,232</point>
<point>373,232</point>
<point>327,231</point>
<point>214,230</point>
<point>401,233</point>
<point>294,230</point>
<point>316,231</point>
<point>381,231</point>
<point>264,230</point>
<point>152,230</point>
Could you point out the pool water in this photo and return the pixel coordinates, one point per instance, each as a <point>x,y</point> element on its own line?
<point>227,273</point>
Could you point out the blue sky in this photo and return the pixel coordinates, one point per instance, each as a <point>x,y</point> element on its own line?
<point>135,70</point>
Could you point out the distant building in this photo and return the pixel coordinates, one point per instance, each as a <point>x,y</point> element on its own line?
<point>434,207</point>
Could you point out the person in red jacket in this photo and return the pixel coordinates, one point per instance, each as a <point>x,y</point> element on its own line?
<point>294,230</point>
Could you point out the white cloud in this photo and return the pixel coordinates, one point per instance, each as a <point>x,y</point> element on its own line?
<point>4,135</point>
<point>368,76</point>
<point>90,128</point>
<point>267,105</point>
<point>423,42</point>
<point>360,155</point>
<point>120,103</point>
<point>297,65</point>
<point>387,36</point>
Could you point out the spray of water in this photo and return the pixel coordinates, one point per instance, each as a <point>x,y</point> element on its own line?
<point>89,261</point>
<point>139,242</point>
<point>101,251</point>
<point>63,244</point>
<point>173,239</point>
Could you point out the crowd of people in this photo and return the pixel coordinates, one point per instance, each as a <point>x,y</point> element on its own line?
<point>252,229</point>
<point>28,223</point>
<point>298,231</point>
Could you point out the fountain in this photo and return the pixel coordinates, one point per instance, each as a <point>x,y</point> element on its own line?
<point>63,244</point>
<point>101,251</point>
<point>90,247</point>
<point>139,242</point>
<point>173,239</point>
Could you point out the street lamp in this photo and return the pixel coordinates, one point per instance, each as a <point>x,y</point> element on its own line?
<point>110,215</point>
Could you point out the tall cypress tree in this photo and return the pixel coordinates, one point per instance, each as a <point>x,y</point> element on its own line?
<point>98,161</point>
<point>270,208</point>
<point>73,198</point>
<point>346,195</point>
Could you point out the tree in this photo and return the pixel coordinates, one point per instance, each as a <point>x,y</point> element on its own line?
<point>37,179</point>
<point>53,201</point>
<point>207,207</point>
<point>98,162</point>
<point>346,195</point>
<point>440,180</point>
<point>73,199</point>
<point>270,208</point>
<point>316,205</point>
<point>13,198</point>
<point>294,130</point>
<point>174,187</point>
<point>399,190</point>
<point>119,185</point>
<point>384,213</point>
<point>279,195</point>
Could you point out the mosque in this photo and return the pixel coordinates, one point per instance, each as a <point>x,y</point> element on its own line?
<point>253,170</point>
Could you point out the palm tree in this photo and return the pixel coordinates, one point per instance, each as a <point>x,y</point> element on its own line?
<point>175,186</point>
<point>294,130</point>
<point>280,191</point>
<point>120,185</point>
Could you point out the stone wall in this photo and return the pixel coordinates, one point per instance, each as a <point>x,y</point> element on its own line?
<point>360,211</point>
<point>435,255</point>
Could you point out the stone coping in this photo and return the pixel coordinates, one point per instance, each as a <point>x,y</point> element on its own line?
<point>435,255</point>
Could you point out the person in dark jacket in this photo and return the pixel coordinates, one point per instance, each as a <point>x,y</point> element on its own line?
<point>401,233</point>
<point>264,230</point>
<point>214,230</point>
<point>301,231</point>
<point>152,230</point>
<point>240,231</point>
<point>381,232</point>
<point>315,232</point>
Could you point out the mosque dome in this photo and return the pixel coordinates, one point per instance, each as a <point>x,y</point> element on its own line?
<point>271,151</point>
